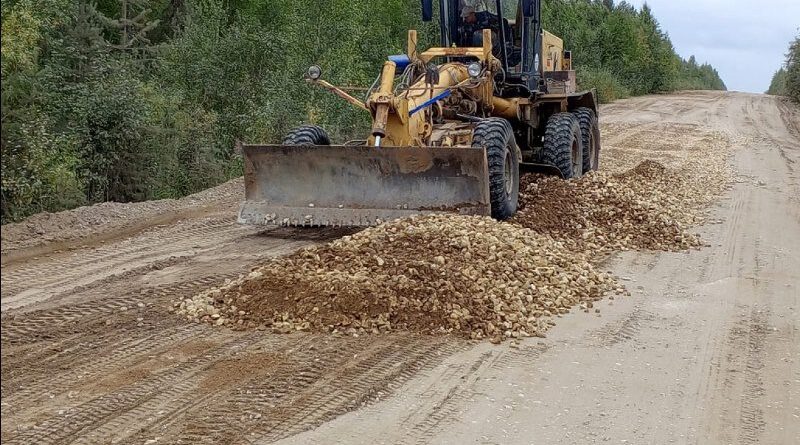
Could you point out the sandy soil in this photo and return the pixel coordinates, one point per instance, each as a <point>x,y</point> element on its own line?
<point>90,225</point>
<point>705,350</point>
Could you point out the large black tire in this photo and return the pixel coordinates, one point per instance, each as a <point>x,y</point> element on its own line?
<point>307,135</point>
<point>497,137</point>
<point>590,133</point>
<point>563,145</point>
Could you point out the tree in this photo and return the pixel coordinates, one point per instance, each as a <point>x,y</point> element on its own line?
<point>786,81</point>
<point>133,24</point>
<point>793,70</point>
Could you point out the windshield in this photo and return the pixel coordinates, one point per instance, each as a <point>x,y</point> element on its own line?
<point>509,7</point>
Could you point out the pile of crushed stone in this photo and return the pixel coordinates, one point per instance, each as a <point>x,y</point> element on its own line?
<point>470,276</point>
<point>601,211</point>
<point>647,207</point>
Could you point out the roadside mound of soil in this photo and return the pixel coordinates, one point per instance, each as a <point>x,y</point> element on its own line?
<point>86,222</point>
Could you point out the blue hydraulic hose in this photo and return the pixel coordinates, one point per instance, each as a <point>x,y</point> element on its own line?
<point>429,102</point>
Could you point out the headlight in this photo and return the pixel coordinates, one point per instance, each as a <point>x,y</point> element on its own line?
<point>474,69</point>
<point>314,72</point>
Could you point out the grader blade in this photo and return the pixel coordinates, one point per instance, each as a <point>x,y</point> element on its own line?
<point>328,185</point>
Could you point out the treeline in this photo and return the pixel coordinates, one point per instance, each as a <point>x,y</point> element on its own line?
<point>786,81</point>
<point>623,51</point>
<point>128,100</point>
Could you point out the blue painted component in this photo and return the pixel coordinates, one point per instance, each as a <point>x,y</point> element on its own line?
<point>430,102</point>
<point>401,60</point>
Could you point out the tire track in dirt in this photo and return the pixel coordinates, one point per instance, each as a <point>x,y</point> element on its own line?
<point>67,323</point>
<point>66,332</point>
<point>67,262</point>
<point>64,355</point>
<point>367,380</point>
<point>51,323</point>
<point>317,386</point>
<point>194,392</point>
<point>622,330</point>
<point>27,284</point>
<point>441,400</point>
<point>290,380</point>
<point>422,430</point>
<point>120,356</point>
<point>74,422</point>
<point>751,416</point>
<point>31,252</point>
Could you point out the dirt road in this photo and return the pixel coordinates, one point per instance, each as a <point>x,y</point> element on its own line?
<point>705,350</point>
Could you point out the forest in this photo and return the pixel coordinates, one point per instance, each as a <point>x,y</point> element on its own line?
<point>786,81</point>
<point>129,100</point>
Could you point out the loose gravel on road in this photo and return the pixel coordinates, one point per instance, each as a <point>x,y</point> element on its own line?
<point>474,276</point>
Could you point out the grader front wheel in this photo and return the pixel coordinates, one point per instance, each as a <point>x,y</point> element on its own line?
<point>307,135</point>
<point>496,135</point>
<point>563,145</point>
<point>590,133</point>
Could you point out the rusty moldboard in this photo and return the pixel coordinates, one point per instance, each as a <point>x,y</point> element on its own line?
<point>359,186</point>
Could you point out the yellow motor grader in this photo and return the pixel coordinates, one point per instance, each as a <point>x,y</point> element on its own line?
<point>452,127</point>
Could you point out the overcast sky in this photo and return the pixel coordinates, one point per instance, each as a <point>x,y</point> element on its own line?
<point>744,40</point>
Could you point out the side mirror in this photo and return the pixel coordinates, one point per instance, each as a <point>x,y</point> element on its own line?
<point>427,10</point>
<point>314,73</point>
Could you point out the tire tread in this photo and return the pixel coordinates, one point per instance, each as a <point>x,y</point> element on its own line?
<point>587,120</point>
<point>561,130</point>
<point>497,136</point>
<point>307,135</point>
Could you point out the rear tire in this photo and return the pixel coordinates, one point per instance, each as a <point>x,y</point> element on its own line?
<point>497,136</point>
<point>307,135</point>
<point>590,133</point>
<point>563,145</point>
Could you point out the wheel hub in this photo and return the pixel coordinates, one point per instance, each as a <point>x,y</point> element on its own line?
<point>577,161</point>
<point>508,180</point>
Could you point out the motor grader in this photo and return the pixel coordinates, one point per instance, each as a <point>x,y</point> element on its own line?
<point>452,127</point>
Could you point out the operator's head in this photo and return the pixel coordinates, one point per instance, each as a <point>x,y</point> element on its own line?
<point>468,14</point>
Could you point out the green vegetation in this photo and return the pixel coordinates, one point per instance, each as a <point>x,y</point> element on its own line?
<point>778,84</point>
<point>622,51</point>
<point>128,100</point>
<point>786,81</point>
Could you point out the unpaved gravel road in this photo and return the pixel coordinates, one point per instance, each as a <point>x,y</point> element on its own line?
<point>705,350</point>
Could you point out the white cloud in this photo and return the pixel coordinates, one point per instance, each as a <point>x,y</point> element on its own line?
<point>744,40</point>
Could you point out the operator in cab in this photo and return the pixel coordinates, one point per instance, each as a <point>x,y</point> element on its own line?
<point>475,17</point>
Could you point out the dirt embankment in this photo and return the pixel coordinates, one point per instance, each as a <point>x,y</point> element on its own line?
<point>46,231</point>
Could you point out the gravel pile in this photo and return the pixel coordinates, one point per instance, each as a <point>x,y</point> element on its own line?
<point>471,276</point>
<point>480,278</point>
<point>652,205</point>
<point>645,208</point>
